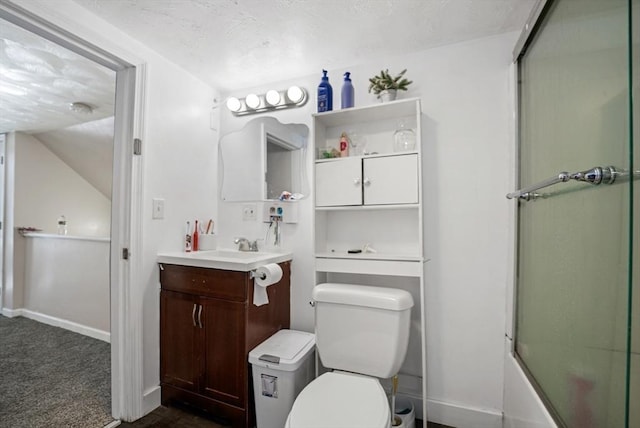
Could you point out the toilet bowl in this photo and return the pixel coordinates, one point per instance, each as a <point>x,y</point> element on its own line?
<point>339,399</point>
<point>362,334</point>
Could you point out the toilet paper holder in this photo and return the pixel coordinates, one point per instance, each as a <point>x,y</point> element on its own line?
<point>261,275</point>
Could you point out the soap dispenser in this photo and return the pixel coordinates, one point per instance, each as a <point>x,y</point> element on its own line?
<point>325,94</point>
<point>347,91</point>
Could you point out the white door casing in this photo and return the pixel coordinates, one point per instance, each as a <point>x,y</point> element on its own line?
<point>126,324</point>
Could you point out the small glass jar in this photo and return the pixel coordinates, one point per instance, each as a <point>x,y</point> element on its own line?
<point>404,139</point>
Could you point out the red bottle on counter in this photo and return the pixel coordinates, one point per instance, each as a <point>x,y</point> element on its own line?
<point>194,243</point>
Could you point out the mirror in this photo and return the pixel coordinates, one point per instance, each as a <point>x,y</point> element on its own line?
<point>262,160</point>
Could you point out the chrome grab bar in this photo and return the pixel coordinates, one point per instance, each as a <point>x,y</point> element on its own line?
<point>595,176</point>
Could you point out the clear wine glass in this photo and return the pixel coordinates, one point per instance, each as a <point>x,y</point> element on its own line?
<point>357,142</point>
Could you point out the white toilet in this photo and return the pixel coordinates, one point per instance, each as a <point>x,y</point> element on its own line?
<point>362,334</point>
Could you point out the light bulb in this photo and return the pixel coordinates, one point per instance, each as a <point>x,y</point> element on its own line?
<point>252,101</point>
<point>273,97</point>
<point>234,104</point>
<point>295,94</point>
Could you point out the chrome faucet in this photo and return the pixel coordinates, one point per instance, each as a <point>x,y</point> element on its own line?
<point>245,245</point>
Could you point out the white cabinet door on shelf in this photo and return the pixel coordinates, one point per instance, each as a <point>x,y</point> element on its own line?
<point>339,182</point>
<point>391,180</point>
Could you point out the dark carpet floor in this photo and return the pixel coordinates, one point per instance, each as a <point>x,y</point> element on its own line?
<point>51,377</point>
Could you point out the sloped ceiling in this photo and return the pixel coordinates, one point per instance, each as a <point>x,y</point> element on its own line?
<point>38,82</point>
<point>87,148</point>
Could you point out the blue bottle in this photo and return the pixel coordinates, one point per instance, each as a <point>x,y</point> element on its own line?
<point>347,91</point>
<point>325,94</point>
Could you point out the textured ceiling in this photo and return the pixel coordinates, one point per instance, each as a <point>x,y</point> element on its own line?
<point>229,44</point>
<point>39,79</point>
<point>233,44</point>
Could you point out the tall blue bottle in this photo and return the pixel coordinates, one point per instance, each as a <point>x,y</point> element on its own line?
<point>347,91</point>
<point>325,94</point>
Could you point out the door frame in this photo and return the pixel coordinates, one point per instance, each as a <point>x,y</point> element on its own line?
<point>3,144</point>
<point>126,208</point>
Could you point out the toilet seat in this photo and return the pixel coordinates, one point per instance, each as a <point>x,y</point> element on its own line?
<point>341,400</point>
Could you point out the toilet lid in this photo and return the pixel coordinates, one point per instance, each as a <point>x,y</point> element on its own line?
<point>341,400</point>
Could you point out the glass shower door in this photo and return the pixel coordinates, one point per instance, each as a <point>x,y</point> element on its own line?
<point>575,238</point>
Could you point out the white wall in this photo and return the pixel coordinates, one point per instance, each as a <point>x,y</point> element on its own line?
<point>179,160</point>
<point>66,282</point>
<point>464,91</point>
<point>181,168</point>
<point>46,187</point>
<point>467,143</point>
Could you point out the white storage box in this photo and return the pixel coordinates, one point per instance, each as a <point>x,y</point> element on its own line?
<point>282,366</point>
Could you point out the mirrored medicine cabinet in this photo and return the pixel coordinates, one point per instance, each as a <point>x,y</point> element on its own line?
<point>262,160</point>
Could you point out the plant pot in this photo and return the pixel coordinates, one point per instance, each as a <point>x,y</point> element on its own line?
<point>388,95</point>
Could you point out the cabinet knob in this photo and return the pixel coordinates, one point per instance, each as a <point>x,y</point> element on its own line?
<point>367,182</point>
<point>356,181</point>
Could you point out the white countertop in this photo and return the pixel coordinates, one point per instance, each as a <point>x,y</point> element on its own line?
<point>55,236</point>
<point>243,261</point>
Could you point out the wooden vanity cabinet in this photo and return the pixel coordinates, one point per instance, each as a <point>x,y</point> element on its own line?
<point>208,325</point>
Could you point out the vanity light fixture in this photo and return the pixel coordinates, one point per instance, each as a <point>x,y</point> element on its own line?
<point>294,96</point>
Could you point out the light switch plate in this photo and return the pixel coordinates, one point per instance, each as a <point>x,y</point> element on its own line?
<point>158,209</point>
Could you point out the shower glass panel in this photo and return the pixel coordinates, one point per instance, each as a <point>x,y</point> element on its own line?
<point>576,240</point>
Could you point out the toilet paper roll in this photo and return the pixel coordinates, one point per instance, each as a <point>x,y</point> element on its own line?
<point>265,276</point>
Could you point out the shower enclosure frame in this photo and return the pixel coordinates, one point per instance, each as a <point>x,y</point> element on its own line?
<point>532,26</point>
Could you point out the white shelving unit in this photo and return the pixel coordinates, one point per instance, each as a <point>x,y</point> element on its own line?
<point>375,200</point>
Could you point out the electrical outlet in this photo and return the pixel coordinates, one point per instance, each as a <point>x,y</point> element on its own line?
<point>286,212</point>
<point>249,212</point>
<point>158,209</point>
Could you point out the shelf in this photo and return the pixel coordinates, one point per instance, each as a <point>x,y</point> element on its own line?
<point>371,256</point>
<point>369,266</point>
<point>377,155</point>
<point>371,113</point>
<point>391,221</point>
<point>370,207</point>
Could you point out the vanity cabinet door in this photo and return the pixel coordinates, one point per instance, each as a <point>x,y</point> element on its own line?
<point>390,180</point>
<point>225,358</point>
<point>339,182</point>
<point>180,340</point>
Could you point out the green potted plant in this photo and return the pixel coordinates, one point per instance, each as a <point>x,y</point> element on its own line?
<point>386,86</point>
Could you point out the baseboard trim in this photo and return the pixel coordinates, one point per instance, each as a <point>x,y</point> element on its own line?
<point>151,400</point>
<point>461,416</point>
<point>10,313</point>
<point>454,415</point>
<point>105,336</point>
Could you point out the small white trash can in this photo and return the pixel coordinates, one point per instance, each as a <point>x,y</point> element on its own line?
<point>281,366</point>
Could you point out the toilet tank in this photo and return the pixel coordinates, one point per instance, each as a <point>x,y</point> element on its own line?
<point>362,329</point>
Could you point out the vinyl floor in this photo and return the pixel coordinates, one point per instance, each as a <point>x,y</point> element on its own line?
<point>176,417</point>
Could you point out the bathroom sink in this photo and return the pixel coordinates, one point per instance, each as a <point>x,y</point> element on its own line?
<point>227,259</point>
<point>233,254</point>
